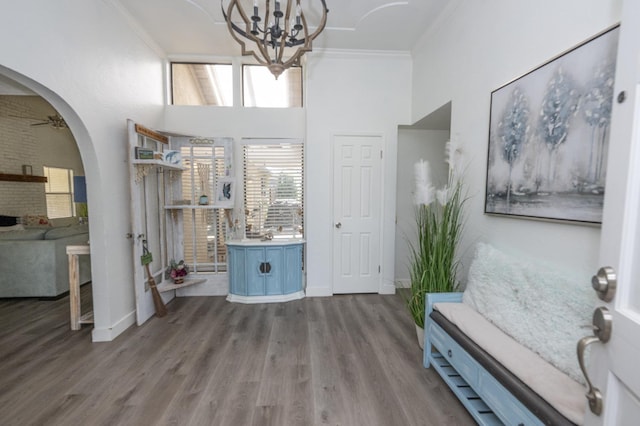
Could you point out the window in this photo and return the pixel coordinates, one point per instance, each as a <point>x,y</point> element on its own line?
<point>204,228</point>
<point>212,84</point>
<point>201,84</point>
<point>261,89</point>
<point>59,192</point>
<point>274,189</point>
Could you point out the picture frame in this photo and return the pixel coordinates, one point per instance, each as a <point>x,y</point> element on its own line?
<point>225,192</point>
<point>172,156</point>
<point>144,153</point>
<point>549,136</point>
<point>27,170</point>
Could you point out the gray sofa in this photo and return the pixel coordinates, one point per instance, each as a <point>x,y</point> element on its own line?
<point>34,261</point>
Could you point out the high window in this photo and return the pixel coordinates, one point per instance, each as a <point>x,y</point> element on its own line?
<point>212,84</point>
<point>274,189</point>
<point>59,192</point>
<point>261,89</point>
<point>201,84</point>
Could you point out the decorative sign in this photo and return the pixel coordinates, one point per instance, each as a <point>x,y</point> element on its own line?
<point>144,131</point>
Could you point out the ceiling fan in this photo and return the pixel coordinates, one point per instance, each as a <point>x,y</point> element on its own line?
<point>56,121</point>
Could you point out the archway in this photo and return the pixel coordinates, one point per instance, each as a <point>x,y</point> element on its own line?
<point>21,83</point>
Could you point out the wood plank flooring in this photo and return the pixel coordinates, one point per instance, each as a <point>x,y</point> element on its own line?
<point>344,360</point>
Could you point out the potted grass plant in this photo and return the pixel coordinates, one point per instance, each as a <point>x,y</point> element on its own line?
<point>433,264</point>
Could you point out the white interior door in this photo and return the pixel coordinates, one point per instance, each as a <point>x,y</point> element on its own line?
<point>614,367</point>
<point>357,195</point>
<point>147,223</point>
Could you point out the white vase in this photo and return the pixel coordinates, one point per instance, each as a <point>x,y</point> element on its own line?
<point>420,334</point>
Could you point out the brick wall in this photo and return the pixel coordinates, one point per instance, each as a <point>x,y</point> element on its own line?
<point>21,144</point>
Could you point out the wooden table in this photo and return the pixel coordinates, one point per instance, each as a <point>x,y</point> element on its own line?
<point>74,287</point>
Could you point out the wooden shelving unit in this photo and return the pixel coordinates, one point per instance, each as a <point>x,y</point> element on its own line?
<point>22,178</point>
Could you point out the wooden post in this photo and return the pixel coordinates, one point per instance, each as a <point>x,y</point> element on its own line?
<point>74,284</point>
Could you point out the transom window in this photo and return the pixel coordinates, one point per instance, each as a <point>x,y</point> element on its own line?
<point>261,89</point>
<point>201,84</point>
<point>212,84</point>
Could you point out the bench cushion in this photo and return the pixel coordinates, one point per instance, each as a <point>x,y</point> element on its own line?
<point>504,358</point>
<point>542,306</point>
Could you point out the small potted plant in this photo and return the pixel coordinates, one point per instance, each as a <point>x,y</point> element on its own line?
<point>177,271</point>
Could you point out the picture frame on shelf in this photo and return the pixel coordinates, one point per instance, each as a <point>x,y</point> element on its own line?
<point>143,153</point>
<point>225,192</point>
<point>172,156</point>
<point>549,136</point>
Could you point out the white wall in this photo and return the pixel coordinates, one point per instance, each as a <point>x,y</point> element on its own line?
<point>413,145</point>
<point>478,48</point>
<point>84,59</point>
<point>350,93</point>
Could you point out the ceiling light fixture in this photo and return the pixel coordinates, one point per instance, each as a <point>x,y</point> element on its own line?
<point>280,36</point>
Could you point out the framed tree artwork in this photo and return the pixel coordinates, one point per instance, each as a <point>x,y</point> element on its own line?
<point>549,136</point>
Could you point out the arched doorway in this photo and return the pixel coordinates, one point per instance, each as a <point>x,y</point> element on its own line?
<point>43,137</point>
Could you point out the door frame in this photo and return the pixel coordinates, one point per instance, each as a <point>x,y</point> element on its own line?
<point>619,243</point>
<point>333,137</point>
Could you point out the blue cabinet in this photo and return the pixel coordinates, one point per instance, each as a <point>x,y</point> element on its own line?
<point>262,272</point>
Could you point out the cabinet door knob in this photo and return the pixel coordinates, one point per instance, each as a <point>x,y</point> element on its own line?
<point>267,267</point>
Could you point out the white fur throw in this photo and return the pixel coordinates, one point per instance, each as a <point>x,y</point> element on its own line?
<point>541,307</point>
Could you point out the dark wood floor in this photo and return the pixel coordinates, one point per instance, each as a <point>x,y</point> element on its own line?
<point>343,360</point>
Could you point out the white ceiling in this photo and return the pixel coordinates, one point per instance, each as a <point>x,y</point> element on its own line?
<point>197,27</point>
<point>183,28</point>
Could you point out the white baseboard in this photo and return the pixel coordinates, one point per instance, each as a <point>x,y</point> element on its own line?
<point>388,288</point>
<point>403,283</point>
<point>265,299</point>
<point>214,286</point>
<point>318,291</point>
<point>108,334</point>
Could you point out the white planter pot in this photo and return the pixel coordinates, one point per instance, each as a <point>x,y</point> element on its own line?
<point>420,335</point>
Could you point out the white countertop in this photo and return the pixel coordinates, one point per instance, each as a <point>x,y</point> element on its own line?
<point>259,242</point>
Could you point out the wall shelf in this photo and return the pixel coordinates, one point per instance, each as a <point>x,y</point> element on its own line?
<point>158,163</point>
<point>22,178</point>
<point>168,286</point>
<point>192,207</point>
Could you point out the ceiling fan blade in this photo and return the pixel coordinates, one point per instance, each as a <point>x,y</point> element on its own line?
<point>26,118</point>
<point>56,121</point>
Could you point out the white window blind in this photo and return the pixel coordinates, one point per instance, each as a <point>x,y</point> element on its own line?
<point>273,189</point>
<point>59,192</point>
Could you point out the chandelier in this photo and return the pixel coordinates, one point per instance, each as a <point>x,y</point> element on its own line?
<point>277,31</point>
